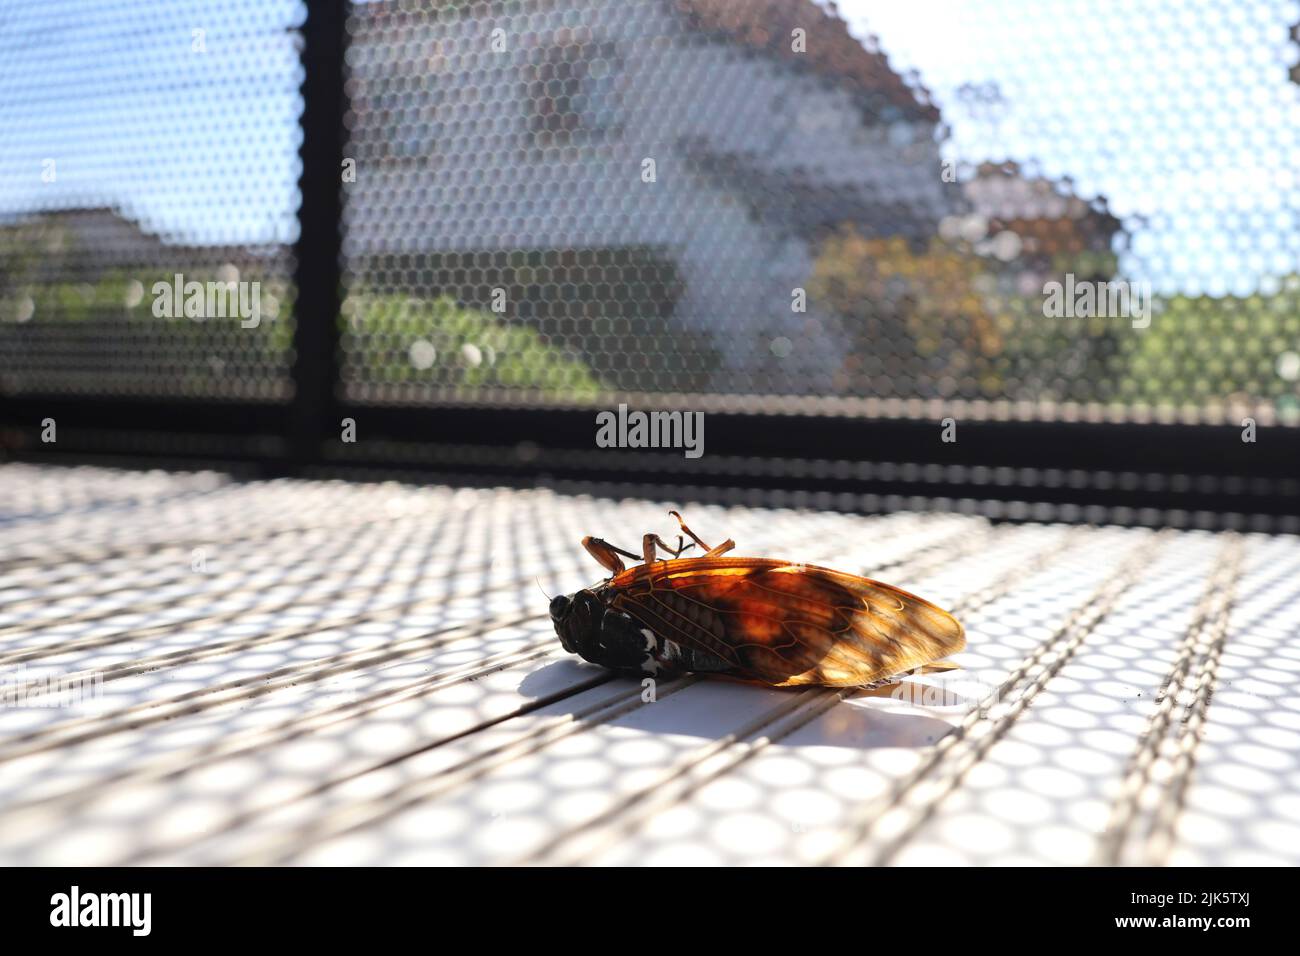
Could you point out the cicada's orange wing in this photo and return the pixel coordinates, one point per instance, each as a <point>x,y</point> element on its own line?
<point>788,624</point>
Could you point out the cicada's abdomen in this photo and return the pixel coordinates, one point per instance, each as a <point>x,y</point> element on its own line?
<point>619,642</point>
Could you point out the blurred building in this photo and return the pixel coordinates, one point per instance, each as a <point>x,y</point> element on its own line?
<point>85,243</point>
<point>525,149</point>
<point>1294,73</point>
<point>1038,226</point>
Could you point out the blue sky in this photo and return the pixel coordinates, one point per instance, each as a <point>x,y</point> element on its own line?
<point>1179,112</point>
<point>199,146</point>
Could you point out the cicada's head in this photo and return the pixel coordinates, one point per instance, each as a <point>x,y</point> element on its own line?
<point>577,619</point>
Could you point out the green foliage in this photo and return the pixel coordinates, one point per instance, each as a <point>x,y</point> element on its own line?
<point>1198,351</point>
<point>940,321</point>
<point>1202,350</point>
<point>403,340</point>
<point>119,296</point>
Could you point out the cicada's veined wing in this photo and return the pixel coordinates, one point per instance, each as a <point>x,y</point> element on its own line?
<point>788,624</point>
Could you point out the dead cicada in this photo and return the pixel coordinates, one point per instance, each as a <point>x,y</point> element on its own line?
<point>758,619</point>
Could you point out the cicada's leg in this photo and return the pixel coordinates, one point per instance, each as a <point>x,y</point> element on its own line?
<point>720,549</point>
<point>650,541</point>
<point>708,552</point>
<point>607,554</point>
<point>688,532</point>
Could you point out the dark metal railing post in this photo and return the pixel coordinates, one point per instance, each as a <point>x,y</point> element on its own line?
<point>318,272</point>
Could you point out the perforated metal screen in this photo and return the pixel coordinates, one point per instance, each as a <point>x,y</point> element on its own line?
<point>1056,210</point>
<point>146,140</point>
<point>557,201</point>
<point>202,671</point>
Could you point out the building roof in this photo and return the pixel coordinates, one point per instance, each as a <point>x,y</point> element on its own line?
<point>1039,208</point>
<point>767,26</point>
<point>91,238</point>
<point>806,206</point>
<point>1001,190</point>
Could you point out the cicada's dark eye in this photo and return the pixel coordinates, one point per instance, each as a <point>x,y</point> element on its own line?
<point>559,607</point>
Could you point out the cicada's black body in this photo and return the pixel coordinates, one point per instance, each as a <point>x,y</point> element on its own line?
<point>614,639</point>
